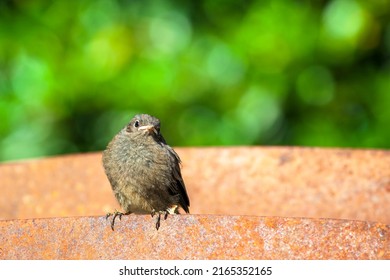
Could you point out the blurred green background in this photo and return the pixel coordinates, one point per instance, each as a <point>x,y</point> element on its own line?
<point>307,73</point>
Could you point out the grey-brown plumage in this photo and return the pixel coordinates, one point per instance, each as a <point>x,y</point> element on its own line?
<point>144,171</point>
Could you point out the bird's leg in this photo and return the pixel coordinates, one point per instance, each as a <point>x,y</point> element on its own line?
<point>115,214</point>
<point>158,221</point>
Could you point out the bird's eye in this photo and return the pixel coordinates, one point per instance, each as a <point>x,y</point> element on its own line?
<point>136,123</point>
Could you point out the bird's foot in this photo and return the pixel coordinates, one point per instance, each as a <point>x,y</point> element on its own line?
<point>115,214</point>
<point>158,219</point>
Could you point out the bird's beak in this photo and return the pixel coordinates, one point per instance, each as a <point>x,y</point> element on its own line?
<point>148,128</point>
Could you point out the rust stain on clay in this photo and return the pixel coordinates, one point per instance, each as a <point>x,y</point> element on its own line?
<point>194,237</point>
<point>249,203</point>
<point>263,181</point>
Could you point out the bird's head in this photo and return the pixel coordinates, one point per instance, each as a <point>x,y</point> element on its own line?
<point>145,124</point>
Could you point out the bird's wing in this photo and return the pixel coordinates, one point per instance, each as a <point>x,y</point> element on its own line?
<point>178,186</point>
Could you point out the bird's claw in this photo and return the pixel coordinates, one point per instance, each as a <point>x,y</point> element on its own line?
<point>115,214</point>
<point>158,219</point>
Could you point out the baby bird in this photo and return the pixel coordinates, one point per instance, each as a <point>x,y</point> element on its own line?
<point>144,172</point>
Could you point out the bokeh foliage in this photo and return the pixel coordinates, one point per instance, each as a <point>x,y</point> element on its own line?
<point>310,73</point>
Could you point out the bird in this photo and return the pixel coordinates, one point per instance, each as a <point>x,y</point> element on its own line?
<point>144,171</point>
